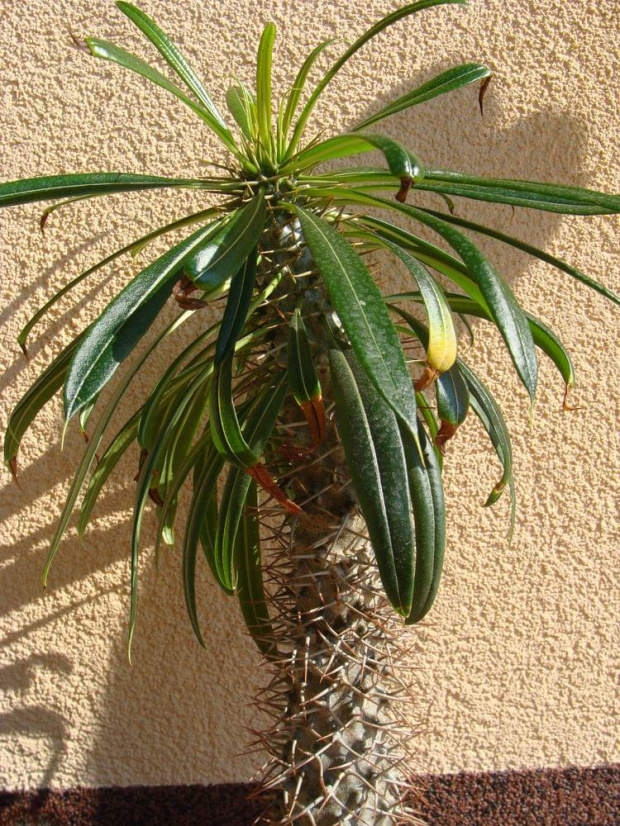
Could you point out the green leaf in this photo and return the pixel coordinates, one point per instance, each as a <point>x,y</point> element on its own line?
<point>302,376</point>
<point>257,431</point>
<point>530,250</point>
<point>203,491</point>
<point>542,335</point>
<point>442,345</point>
<point>430,525</point>
<point>225,427</point>
<point>140,242</point>
<point>452,397</point>
<point>27,408</point>
<point>384,23</point>
<point>170,384</point>
<point>263,84</point>
<point>237,308</point>
<point>359,305</point>
<point>29,190</point>
<point>181,439</point>
<point>241,107</point>
<point>401,162</point>
<point>505,309</point>
<point>108,51</point>
<point>448,81</point>
<point>249,573</point>
<point>299,84</point>
<point>155,461</point>
<point>569,200</point>
<point>93,445</point>
<point>425,252</point>
<point>173,57</point>
<point>423,517</point>
<point>198,455</point>
<point>112,337</point>
<point>226,251</point>
<point>489,412</point>
<point>114,453</point>
<point>376,460</point>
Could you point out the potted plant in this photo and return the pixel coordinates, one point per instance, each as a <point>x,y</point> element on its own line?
<point>310,421</point>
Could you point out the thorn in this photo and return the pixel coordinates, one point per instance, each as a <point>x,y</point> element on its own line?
<point>483,90</point>
<point>262,477</point>
<point>44,219</point>
<point>24,349</point>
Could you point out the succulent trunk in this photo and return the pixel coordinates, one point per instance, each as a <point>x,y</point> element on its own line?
<point>337,746</point>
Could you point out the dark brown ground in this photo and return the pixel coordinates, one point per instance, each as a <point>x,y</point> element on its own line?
<point>568,797</point>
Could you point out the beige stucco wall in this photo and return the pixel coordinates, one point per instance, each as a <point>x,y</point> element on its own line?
<point>517,665</point>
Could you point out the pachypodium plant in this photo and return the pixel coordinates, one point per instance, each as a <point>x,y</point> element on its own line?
<point>322,405</point>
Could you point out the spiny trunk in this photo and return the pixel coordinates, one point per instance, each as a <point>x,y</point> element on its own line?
<point>337,746</point>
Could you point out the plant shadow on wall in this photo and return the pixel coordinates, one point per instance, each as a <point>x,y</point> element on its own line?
<point>167,719</point>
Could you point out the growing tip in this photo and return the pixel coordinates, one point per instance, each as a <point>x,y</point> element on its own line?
<point>12,463</point>
<point>63,435</point>
<point>79,43</point>
<point>565,405</point>
<point>483,90</point>
<point>405,186</point>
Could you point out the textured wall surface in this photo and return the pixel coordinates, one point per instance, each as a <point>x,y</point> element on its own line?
<point>516,667</point>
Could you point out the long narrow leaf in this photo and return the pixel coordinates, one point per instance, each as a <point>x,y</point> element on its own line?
<point>376,461</point>
<point>357,300</point>
<point>263,84</point>
<point>129,248</point>
<point>224,253</point>
<point>115,54</point>
<point>112,337</point>
<point>442,345</point>
<point>48,188</point>
<point>248,567</point>
<point>448,81</point>
<point>27,408</point>
<point>433,523</point>
<point>240,107</point>
<point>225,426</point>
<point>173,57</point>
<point>203,490</point>
<point>384,23</point>
<point>256,432</point>
<point>302,376</point>
<point>570,200</point>
<point>530,250</point>
<point>237,308</point>
<point>424,521</point>
<point>299,84</point>
<point>401,162</point>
